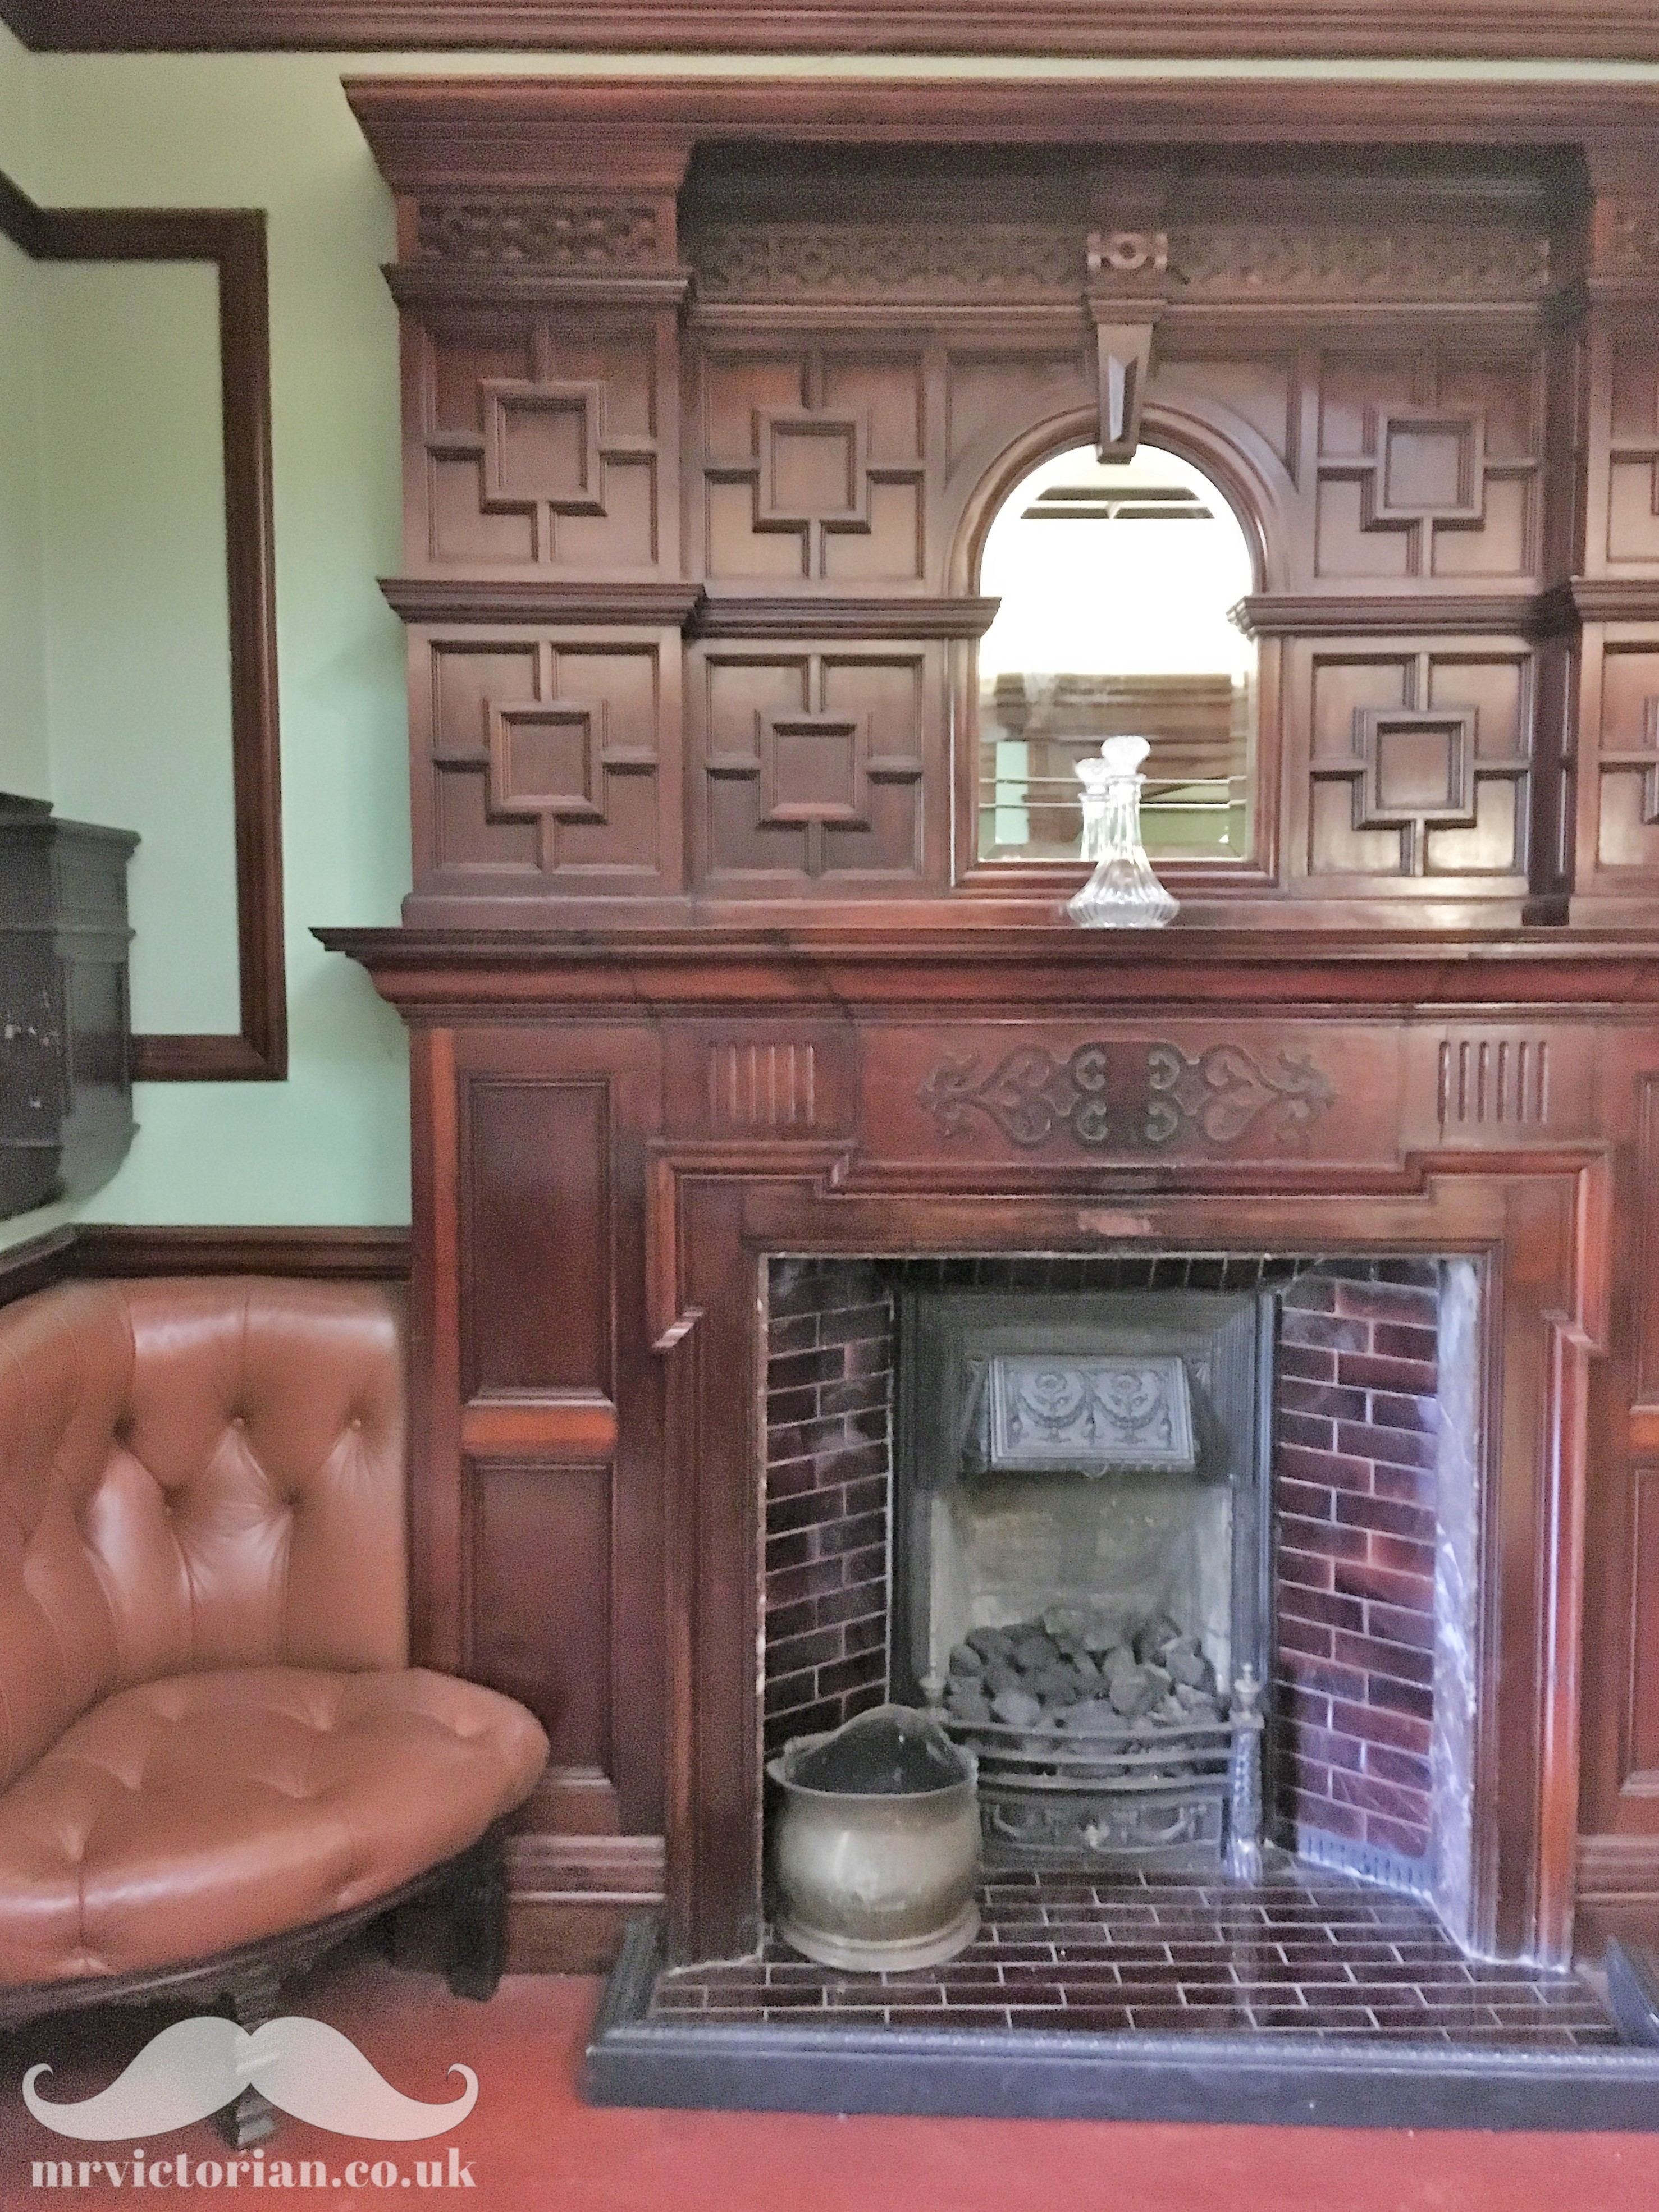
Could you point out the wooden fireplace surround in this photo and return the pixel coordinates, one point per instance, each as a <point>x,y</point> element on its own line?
<point>710,393</point>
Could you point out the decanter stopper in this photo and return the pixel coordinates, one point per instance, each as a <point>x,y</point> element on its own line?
<point>1122,893</point>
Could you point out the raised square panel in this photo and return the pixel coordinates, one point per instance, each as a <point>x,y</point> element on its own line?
<point>546,757</point>
<point>1429,465</point>
<point>541,446</point>
<point>546,762</point>
<point>1418,768</point>
<point>1420,763</point>
<point>812,765</point>
<point>812,471</point>
<point>1627,832</point>
<point>814,768</point>
<point>542,449</point>
<point>813,467</point>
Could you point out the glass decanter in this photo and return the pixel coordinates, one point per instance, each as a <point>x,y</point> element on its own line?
<point>1122,893</point>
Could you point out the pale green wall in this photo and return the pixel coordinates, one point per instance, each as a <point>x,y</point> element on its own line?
<point>138,628</point>
<point>331,1143</point>
<point>24,763</point>
<point>274,132</point>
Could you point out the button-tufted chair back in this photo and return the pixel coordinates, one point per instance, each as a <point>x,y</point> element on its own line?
<point>194,1474</point>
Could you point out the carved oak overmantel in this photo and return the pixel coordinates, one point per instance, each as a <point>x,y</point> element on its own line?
<point>710,394</point>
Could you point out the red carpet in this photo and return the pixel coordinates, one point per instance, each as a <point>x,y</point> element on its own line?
<point>530,2144</point>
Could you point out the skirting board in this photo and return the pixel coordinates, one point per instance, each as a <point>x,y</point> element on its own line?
<point>1051,2073</point>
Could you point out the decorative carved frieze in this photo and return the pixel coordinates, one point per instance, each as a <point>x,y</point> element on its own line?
<point>1131,1097</point>
<point>1360,261</point>
<point>1424,260</point>
<point>944,260</point>
<point>560,233</point>
<point>1114,254</point>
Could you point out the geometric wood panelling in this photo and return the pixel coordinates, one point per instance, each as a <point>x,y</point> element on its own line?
<point>1633,448</point>
<point>813,468</point>
<point>541,448</point>
<point>1420,761</point>
<point>544,754</point>
<point>1398,373</point>
<point>813,764</point>
<point>555,1658</point>
<point>1639,1766</point>
<point>536,1254</point>
<point>1627,755</point>
<point>1428,467</point>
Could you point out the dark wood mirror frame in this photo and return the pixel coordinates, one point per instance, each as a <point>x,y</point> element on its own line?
<point>234,241</point>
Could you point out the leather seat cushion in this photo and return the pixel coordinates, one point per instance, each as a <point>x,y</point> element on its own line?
<point>199,1811</point>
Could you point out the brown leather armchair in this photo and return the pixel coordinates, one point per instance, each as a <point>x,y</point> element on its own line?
<point>211,1741</point>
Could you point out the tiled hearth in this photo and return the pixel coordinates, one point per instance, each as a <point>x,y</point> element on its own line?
<point>1306,1954</point>
<point>1335,1989</point>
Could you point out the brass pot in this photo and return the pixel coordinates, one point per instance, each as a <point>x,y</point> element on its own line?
<point>876,1880</point>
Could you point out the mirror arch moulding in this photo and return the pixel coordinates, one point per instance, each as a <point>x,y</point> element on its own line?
<point>1237,463</point>
<point>754,704</point>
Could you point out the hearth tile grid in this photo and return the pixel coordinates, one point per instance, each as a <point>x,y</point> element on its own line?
<point>1302,1955</point>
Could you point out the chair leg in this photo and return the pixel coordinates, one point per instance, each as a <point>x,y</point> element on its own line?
<point>476,1896</point>
<point>252,2119</point>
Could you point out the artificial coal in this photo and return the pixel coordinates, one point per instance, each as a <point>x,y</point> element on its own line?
<point>1089,1679</point>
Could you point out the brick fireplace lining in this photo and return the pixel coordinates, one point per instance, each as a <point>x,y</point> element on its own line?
<point>1355,1480</point>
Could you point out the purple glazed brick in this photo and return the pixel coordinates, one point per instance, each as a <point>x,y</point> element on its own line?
<point>1388,1516</point>
<point>1327,1470</point>
<point>1302,1635</point>
<point>1305,1570</point>
<point>1373,1372</point>
<point>1326,1331</point>
<point>1325,1607</point>
<point>1388,1302</point>
<point>1308,1363</point>
<point>1292,1396</point>
<point>1371,1440</point>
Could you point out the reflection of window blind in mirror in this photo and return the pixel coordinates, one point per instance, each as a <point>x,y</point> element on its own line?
<point>1116,583</point>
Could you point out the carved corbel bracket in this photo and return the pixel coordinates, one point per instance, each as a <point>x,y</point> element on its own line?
<point>1126,296</point>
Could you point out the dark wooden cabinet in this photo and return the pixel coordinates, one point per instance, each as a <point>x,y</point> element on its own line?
<point>66,1031</point>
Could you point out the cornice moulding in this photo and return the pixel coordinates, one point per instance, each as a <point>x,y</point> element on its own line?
<point>1609,30</point>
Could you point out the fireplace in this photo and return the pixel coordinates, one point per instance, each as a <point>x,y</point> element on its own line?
<point>1251,1497</point>
<point>1081,1574</point>
<point>734,960</point>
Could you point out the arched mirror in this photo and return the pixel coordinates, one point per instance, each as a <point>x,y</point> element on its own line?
<point>1116,582</point>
